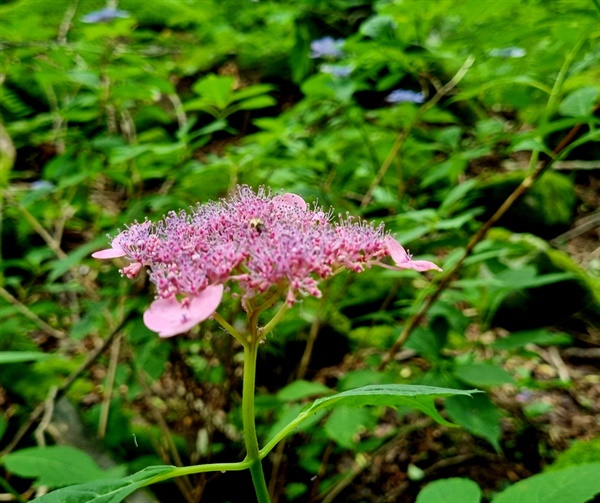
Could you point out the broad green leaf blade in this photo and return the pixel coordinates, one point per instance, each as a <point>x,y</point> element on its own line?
<point>301,389</point>
<point>477,415</point>
<point>391,395</point>
<point>344,425</point>
<point>576,484</point>
<point>217,90</point>
<point>539,336</point>
<point>256,102</point>
<point>108,491</point>
<point>21,356</point>
<point>454,490</point>
<point>54,466</point>
<point>580,102</point>
<point>483,374</point>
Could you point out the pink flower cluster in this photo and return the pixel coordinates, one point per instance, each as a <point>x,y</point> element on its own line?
<point>258,240</point>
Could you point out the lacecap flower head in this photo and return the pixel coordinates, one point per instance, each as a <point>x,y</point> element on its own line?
<point>259,241</point>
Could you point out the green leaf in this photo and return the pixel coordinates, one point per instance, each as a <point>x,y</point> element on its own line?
<point>21,356</point>
<point>344,424</point>
<point>217,90</point>
<point>477,415</point>
<point>427,343</point>
<point>483,374</point>
<point>252,91</point>
<point>454,490</point>
<point>301,389</point>
<point>540,336</point>
<point>256,103</point>
<point>576,484</point>
<point>108,491</point>
<point>54,466</point>
<point>391,395</point>
<point>580,102</point>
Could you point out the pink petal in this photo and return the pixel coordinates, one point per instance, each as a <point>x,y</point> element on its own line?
<point>397,252</point>
<point>109,253</point>
<point>114,251</point>
<point>403,260</point>
<point>292,200</point>
<point>170,317</point>
<point>419,265</point>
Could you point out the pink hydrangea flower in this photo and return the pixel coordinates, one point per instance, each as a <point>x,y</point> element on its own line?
<point>255,240</point>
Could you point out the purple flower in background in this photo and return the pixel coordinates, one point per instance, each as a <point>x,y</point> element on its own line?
<point>404,96</point>
<point>508,52</point>
<point>337,70</point>
<point>250,244</point>
<point>104,15</point>
<point>327,47</point>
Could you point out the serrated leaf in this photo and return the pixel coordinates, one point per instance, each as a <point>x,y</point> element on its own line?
<point>391,395</point>
<point>454,490</point>
<point>108,491</point>
<point>576,484</point>
<point>417,397</point>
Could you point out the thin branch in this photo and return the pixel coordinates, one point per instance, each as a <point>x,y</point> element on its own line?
<point>25,311</point>
<point>66,23</point>
<point>37,227</point>
<point>110,383</point>
<point>47,417</point>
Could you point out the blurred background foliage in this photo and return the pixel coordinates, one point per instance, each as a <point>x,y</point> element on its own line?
<point>425,115</point>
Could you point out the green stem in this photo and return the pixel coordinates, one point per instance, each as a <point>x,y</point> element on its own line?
<point>227,326</point>
<point>271,325</point>
<point>252,453</point>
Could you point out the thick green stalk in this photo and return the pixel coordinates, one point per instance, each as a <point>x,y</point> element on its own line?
<point>252,454</point>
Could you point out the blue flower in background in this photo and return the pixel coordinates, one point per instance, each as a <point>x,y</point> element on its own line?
<point>337,70</point>
<point>42,185</point>
<point>508,52</point>
<point>327,47</point>
<point>104,15</point>
<point>404,96</point>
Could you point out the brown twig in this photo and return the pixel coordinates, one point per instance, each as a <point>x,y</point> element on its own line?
<point>446,278</point>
